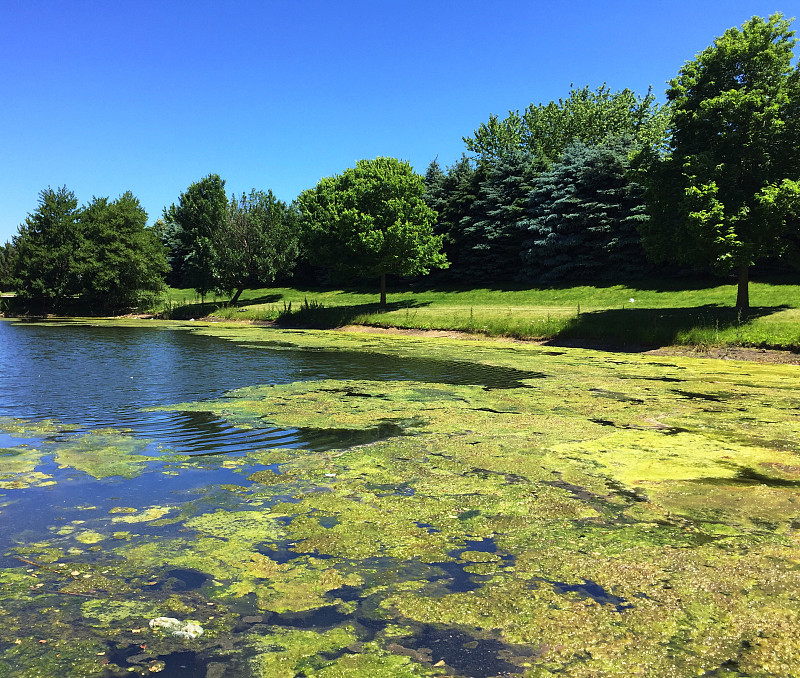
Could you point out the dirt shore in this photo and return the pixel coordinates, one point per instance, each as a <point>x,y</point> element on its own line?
<point>760,355</point>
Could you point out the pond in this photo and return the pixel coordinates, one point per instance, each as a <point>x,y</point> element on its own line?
<point>201,500</point>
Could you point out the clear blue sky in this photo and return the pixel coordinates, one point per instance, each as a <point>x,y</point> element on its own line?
<point>110,96</point>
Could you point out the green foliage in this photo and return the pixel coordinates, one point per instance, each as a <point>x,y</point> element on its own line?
<point>258,241</point>
<point>452,195</point>
<point>7,252</point>
<point>46,244</point>
<point>169,233</point>
<point>371,221</point>
<point>725,195</point>
<point>583,218</point>
<point>201,215</point>
<point>101,254</point>
<point>491,230</point>
<point>544,131</point>
<point>119,259</point>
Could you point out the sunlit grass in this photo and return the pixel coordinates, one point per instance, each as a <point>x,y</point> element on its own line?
<point>652,313</point>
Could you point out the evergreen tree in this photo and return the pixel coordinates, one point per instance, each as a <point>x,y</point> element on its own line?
<point>6,265</point>
<point>583,217</point>
<point>46,244</point>
<point>453,196</point>
<point>169,233</point>
<point>492,225</point>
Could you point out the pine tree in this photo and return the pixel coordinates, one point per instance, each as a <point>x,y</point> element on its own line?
<point>583,217</point>
<point>493,223</point>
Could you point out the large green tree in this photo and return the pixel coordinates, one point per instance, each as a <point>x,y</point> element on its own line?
<point>119,260</point>
<point>726,193</point>
<point>7,252</point>
<point>201,215</point>
<point>544,131</point>
<point>370,221</point>
<point>258,241</point>
<point>46,244</point>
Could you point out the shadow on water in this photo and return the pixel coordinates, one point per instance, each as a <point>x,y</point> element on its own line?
<point>181,580</point>
<point>589,590</point>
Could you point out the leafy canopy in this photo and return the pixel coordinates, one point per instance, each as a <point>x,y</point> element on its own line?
<point>727,192</point>
<point>371,221</point>
<point>101,254</point>
<point>544,131</point>
<point>258,241</point>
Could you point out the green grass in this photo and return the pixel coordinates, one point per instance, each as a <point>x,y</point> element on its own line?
<point>656,313</point>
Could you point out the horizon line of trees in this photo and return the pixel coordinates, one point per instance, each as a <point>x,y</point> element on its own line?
<point>596,187</point>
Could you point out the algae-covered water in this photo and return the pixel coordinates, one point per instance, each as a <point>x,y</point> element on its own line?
<point>325,504</point>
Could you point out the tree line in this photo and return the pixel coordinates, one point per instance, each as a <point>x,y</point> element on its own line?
<point>597,186</point>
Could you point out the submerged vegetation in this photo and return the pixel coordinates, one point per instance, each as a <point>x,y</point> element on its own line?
<point>550,512</point>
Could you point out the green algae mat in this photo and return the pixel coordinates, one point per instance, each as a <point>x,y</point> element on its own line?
<point>576,513</point>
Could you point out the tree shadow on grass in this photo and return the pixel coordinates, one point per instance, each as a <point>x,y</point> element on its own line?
<point>202,309</point>
<point>640,329</point>
<point>315,315</point>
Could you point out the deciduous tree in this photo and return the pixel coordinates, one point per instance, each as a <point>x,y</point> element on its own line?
<point>119,259</point>
<point>544,131</point>
<point>371,220</point>
<point>726,192</point>
<point>258,242</point>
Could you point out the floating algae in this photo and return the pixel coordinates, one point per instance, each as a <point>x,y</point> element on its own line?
<point>494,532</point>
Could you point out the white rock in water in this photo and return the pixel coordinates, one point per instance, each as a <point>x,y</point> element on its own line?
<point>176,628</point>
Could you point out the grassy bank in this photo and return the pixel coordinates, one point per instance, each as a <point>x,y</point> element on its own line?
<point>655,313</point>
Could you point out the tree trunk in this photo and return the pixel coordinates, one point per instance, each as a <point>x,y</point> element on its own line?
<point>743,293</point>
<point>236,296</point>
<point>383,290</point>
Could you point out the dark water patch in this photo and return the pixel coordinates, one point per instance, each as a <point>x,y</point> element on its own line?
<point>663,379</point>
<point>510,478</point>
<point>321,617</point>
<point>197,434</point>
<point>345,593</point>
<point>339,438</point>
<point>614,395</point>
<point>456,578</point>
<point>603,422</point>
<point>181,580</point>
<point>467,654</point>
<point>427,526</point>
<point>284,552</point>
<point>592,590</point>
<point>175,664</point>
<point>328,522</point>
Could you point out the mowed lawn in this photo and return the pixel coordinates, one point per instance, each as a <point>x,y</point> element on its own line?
<point>651,313</point>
